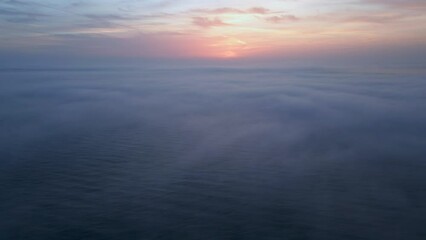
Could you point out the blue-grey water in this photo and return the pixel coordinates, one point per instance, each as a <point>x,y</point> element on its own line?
<point>213,153</point>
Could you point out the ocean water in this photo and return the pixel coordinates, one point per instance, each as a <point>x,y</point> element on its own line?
<point>212,153</point>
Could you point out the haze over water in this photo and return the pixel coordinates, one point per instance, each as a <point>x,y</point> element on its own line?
<point>212,120</point>
<point>212,153</point>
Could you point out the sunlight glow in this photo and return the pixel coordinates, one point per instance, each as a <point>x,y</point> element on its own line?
<point>230,29</point>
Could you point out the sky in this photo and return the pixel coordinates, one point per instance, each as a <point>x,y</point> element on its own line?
<point>267,30</point>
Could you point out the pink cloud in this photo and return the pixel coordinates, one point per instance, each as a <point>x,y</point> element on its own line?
<point>374,19</point>
<point>282,19</point>
<point>205,22</point>
<point>223,10</point>
<point>253,10</point>
<point>258,10</point>
<point>412,4</point>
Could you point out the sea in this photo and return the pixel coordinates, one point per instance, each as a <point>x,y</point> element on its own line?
<point>212,153</point>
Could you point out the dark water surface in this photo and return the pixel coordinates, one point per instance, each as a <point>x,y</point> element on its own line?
<point>212,154</point>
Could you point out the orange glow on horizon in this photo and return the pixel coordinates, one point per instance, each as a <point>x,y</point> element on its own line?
<point>226,47</point>
<point>219,29</point>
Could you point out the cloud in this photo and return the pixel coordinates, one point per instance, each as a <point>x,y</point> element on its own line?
<point>17,2</point>
<point>205,22</point>
<point>354,23</point>
<point>282,19</point>
<point>374,18</point>
<point>258,10</point>
<point>227,10</point>
<point>409,4</point>
<point>21,16</point>
<point>219,11</point>
<point>109,17</point>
